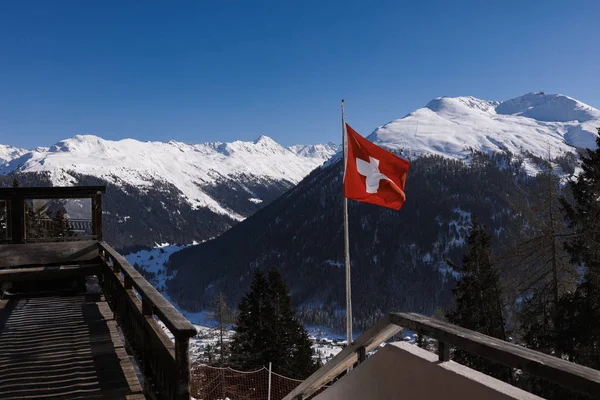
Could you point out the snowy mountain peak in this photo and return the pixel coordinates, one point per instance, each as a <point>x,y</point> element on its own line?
<point>265,141</point>
<point>454,126</point>
<point>550,108</point>
<point>456,104</point>
<point>324,151</point>
<point>79,143</point>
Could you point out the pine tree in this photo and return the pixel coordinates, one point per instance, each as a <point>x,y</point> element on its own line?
<point>267,331</point>
<point>15,183</point>
<point>478,299</point>
<point>539,271</point>
<point>297,351</point>
<point>580,312</point>
<point>247,346</point>
<point>224,316</point>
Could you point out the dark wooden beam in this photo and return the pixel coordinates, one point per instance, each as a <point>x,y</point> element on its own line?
<point>17,219</point>
<point>55,192</point>
<point>97,215</point>
<point>182,367</point>
<point>362,355</point>
<point>573,376</point>
<point>47,273</point>
<point>443,351</point>
<point>37,254</point>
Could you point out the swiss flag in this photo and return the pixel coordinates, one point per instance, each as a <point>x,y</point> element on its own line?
<point>374,175</point>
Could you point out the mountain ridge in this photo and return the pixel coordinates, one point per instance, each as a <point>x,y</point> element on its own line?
<point>453,127</point>
<point>192,168</point>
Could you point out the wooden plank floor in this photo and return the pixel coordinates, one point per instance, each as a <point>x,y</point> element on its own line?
<point>63,347</point>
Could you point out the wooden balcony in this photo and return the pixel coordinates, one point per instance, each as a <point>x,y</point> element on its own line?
<point>77,321</point>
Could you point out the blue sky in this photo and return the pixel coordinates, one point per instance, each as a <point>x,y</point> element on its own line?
<point>235,69</point>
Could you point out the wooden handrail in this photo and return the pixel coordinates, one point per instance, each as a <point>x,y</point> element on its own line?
<point>573,376</point>
<point>166,368</point>
<point>52,192</point>
<point>173,320</point>
<point>570,375</point>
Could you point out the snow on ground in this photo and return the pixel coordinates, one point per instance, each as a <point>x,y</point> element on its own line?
<point>152,262</point>
<point>325,343</point>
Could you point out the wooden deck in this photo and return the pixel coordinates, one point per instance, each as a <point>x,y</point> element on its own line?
<point>63,347</point>
<point>60,346</point>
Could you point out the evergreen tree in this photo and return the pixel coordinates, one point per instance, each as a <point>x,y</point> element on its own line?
<point>224,316</point>
<point>580,312</point>
<point>295,353</point>
<point>538,271</point>
<point>15,183</point>
<point>478,300</point>
<point>267,331</point>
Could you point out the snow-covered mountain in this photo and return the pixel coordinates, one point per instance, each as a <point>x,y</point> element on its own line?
<point>194,169</point>
<point>399,259</point>
<point>167,192</point>
<point>454,126</point>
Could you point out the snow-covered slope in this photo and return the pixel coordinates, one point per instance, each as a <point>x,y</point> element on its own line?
<point>324,151</point>
<point>453,126</point>
<point>8,153</point>
<point>192,168</point>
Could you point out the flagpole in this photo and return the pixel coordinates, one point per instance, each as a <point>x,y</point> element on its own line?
<point>346,239</point>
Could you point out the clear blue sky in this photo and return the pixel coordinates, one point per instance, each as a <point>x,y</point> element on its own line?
<point>235,69</point>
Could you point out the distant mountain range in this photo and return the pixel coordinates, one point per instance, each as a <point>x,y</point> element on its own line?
<point>468,157</point>
<point>169,192</point>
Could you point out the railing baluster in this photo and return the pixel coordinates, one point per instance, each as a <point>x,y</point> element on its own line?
<point>362,354</point>
<point>443,351</point>
<point>182,365</point>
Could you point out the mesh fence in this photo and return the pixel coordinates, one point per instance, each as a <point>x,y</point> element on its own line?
<point>223,383</point>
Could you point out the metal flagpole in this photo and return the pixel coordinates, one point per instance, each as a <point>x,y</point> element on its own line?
<point>346,239</point>
<point>269,390</point>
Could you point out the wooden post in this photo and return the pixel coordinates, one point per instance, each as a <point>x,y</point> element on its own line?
<point>17,219</point>
<point>128,283</point>
<point>182,366</point>
<point>97,216</point>
<point>362,354</point>
<point>147,308</point>
<point>443,351</point>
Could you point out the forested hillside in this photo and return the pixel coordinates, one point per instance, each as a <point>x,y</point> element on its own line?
<point>398,257</point>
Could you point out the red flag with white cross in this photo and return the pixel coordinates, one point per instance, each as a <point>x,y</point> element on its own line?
<point>374,175</point>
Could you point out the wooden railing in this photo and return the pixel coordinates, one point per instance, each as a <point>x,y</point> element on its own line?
<point>137,304</point>
<point>15,224</point>
<point>570,375</point>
